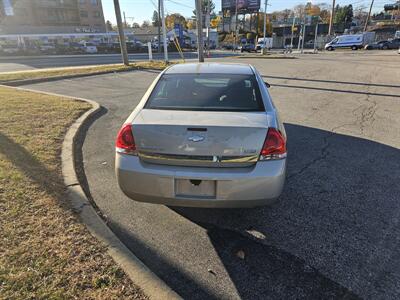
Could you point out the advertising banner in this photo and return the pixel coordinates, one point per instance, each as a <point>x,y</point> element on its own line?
<point>241,4</point>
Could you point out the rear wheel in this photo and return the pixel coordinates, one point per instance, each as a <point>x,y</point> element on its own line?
<point>354,48</point>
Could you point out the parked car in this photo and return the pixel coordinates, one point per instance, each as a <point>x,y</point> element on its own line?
<point>89,48</point>
<point>391,44</point>
<point>248,48</point>
<point>9,49</point>
<point>108,48</point>
<point>205,135</point>
<point>377,45</point>
<point>47,48</point>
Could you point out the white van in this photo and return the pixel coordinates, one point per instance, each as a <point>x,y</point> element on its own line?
<point>267,43</point>
<point>353,41</point>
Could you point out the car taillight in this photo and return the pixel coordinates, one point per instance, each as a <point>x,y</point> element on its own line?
<point>274,146</point>
<point>125,142</point>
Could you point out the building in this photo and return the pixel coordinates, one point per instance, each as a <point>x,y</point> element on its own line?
<point>51,16</point>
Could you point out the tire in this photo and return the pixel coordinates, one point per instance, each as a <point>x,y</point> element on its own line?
<point>354,48</point>
<point>330,48</point>
<point>385,47</point>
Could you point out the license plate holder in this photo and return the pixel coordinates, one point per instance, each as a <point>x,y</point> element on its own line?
<point>194,188</point>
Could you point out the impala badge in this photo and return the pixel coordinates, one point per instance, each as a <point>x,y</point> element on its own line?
<point>196,138</point>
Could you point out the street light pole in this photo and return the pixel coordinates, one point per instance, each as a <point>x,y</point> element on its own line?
<point>159,27</point>
<point>164,31</point>
<point>236,25</point>
<point>200,45</point>
<point>265,25</point>
<point>122,42</point>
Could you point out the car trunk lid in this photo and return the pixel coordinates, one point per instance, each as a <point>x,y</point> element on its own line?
<point>200,138</point>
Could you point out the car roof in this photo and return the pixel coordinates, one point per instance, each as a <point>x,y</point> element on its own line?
<point>210,68</point>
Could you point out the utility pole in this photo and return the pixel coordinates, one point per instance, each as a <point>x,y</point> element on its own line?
<point>208,19</point>
<point>159,26</point>
<point>291,38</point>
<point>122,42</point>
<point>331,19</point>
<point>164,31</point>
<point>199,22</point>
<point>265,25</point>
<point>236,25</point>
<point>125,20</point>
<point>316,37</point>
<point>304,36</point>
<point>369,15</point>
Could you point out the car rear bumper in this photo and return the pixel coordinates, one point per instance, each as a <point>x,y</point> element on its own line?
<point>234,187</point>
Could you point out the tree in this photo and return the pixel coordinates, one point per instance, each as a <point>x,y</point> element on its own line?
<point>343,14</point>
<point>155,19</point>
<point>204,4</point>
<point>173,19</point>
<point>145,24</point>
<point>361,15</point>
<point>191,24</point>
<point>135,25</point>
<point>215,21</point>
<point>300,11</point>
<point>261,24</point>
<point>109,26</point>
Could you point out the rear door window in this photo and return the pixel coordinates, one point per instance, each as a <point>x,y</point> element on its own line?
<point>207,92</point>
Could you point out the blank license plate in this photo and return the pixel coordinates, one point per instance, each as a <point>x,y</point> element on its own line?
<point>195,188</point>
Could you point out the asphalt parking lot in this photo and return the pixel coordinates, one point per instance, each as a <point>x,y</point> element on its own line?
<point>335,231</point>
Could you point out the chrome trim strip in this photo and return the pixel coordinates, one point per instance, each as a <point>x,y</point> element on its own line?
<point>198,158</point>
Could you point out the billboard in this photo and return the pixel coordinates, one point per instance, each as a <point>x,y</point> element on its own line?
<point>241,4</point>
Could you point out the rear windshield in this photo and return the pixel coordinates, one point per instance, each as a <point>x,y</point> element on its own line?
<point>207,92</point>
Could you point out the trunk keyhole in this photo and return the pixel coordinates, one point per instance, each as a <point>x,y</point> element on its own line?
<point>195,182</point>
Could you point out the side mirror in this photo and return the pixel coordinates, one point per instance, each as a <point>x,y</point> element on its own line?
<point>267,84</point>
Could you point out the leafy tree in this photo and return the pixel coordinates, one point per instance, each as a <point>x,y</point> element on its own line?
<point>173,19</point>
<point>204,4</point>
<point>261,24</point>
<point>191,24</point>
<point>145,24</point>
<point>155,19</point>
<point>135,25</point>
<point>343,14</point>
<point>109,26</point>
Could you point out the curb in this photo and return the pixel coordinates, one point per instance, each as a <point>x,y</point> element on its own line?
<point>267,57</point>
<point>138,272</point>
<point>16,83</point>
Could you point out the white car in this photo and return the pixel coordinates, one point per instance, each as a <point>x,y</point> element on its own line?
<point>89,48</point>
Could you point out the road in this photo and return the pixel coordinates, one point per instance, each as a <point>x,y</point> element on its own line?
<point>334,233</point>
<point>9,64</point>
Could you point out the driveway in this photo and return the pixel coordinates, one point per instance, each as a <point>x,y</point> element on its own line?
<point>334,233</point>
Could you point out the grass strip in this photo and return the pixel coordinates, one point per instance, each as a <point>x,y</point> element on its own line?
<point>45,251</point>
<point>86,70</point>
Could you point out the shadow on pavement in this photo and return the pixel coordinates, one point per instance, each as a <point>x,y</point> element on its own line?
<point>333,90</point>
<point>339,213</point>
<point>333,81</point>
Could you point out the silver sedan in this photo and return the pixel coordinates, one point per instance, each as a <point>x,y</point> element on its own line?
<point>203,135</point>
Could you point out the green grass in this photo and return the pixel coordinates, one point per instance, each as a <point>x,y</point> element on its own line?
<point>45,251</point>
<point>87,70</point>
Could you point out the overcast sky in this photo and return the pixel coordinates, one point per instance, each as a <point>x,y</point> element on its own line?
<point>140,10</point>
